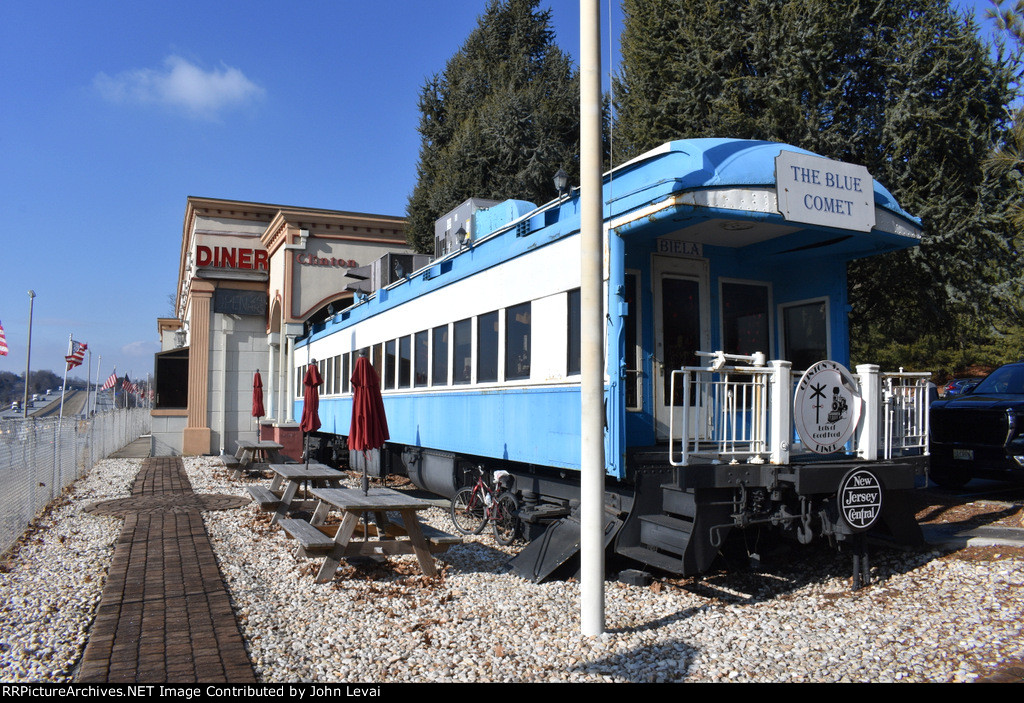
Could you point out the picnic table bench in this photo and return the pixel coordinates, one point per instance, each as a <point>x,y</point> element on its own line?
<point>264,497</point>
<point>250,452</point>
<point>390,536</point>
<point>288,479</point>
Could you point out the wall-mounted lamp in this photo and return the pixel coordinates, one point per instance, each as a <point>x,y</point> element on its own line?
<point>562,182</point>
<point>463,237</point>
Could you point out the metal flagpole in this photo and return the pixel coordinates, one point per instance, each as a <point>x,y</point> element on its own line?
<point>591,326</point>
<point>60,421</point>
<point>28,351</point>
<point>88,377</point>
<point>96,396</point>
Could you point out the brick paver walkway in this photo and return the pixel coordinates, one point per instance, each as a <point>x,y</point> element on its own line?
<point>164,615</point>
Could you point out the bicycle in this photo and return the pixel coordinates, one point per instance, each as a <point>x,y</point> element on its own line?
<point>473,507</point>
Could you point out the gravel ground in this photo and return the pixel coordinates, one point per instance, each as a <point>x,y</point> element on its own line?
<point>927,616</point>
<point>51,580</point>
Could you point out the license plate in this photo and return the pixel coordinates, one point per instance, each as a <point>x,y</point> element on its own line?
<point>964,454</point>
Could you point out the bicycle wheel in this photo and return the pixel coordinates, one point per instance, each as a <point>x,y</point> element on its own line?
<point>468,512</point>
<point>506,519</point>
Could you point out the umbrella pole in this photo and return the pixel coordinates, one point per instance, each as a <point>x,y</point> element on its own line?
<point>366,477</point>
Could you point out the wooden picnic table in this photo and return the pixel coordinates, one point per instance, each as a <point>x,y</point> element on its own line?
<point>249,452</point>
<point>407,538</point>
<point>288,478</point>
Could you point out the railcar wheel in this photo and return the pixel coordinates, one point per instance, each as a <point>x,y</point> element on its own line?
<point>506,519</point>
<point>467,512</point>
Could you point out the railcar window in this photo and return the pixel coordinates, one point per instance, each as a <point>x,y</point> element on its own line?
<point>336,366</point>
<point>487,348</point>
<point>573,352</point>
<point>745,318</point>
<point>378,362</point>
<point>805,333</point>
<point>517,341</point>
<point>405,362</point>
<point>326,367</point>
<point>439,372</point>
<point>389,365</point>
<point>345,371</point>
<point>421,358</point>
<point>462,357</point>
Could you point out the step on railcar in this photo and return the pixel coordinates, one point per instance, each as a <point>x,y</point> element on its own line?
<point>729,404</point>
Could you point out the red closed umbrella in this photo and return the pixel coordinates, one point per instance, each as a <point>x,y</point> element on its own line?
<point>257,401</point>
<point>369,428</point>
<point>310,402</point>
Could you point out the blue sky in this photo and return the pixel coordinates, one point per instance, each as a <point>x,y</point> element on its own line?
<point>112,113</point>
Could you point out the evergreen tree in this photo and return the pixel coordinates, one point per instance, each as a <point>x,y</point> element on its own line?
<point>499,121</point>
<point>904,88</point>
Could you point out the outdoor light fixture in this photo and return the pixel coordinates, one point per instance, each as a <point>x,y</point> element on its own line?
<point>562,182</point>
<point>462,236</point>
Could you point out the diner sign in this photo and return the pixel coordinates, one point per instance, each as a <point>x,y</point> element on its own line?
<point>819,191</point>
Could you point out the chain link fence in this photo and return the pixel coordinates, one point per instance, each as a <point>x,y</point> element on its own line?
<point>39,458</point>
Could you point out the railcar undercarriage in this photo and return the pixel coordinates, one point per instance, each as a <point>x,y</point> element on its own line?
<point>670,518</point>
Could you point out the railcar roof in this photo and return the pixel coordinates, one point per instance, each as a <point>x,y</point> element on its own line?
<point>717,163</point>
<point>719,192</point>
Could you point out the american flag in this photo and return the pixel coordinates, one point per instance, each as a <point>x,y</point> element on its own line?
<point>110,381</point>
<point>127,385</point>
<point>3,342</point>
<point>76,354</point>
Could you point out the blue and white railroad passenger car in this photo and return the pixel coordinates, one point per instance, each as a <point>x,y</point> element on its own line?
<point>725,281</point>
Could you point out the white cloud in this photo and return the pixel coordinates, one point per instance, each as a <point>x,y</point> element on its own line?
<point>183,85</point>
<point>143,349</point>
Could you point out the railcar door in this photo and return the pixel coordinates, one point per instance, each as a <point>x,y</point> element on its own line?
<point>681,328</point>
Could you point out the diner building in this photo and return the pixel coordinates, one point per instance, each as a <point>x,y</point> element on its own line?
<point>250,278</point>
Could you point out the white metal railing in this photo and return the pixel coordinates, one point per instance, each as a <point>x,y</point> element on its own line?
<point>724,413</point>
<point>906,397</point>
<point>731,412</point>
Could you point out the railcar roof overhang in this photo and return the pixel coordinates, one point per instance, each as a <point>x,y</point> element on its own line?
<point>723,192</point>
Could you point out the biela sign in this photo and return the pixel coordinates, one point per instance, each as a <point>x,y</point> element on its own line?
<point>826,407</point>
<point>860,499</point>
<point>819,191</point>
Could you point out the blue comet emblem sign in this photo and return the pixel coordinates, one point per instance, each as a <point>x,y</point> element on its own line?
<point>826,407</point>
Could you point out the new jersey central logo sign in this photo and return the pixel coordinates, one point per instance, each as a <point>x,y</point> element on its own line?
<point>826,407</point>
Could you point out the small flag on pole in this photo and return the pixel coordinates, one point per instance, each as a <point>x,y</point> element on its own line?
<point>3,342</point>
<point>76,354</point>
<point>110,381</point>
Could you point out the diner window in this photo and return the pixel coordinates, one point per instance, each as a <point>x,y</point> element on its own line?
<point>487,348</point>
<point>517,342</point>
<point>171,379</point>
<point>346,373</point>
<point>389,365</point>
<point>439,370</point>
<point>805,333</point>
<point>421,358</point>
<point>336,387</point>
<point>462,347</point>
<point>405,362</point>
<point>573,341</point>
<point>745,309</point>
